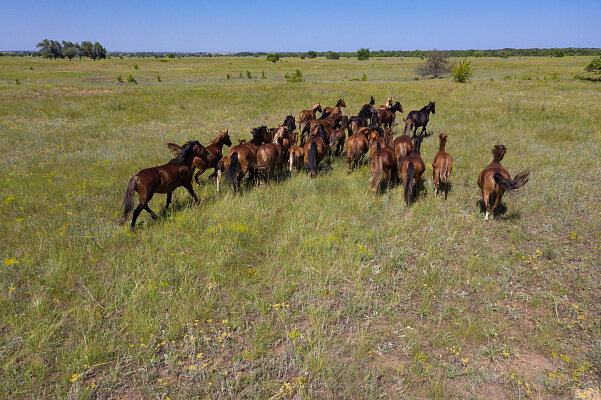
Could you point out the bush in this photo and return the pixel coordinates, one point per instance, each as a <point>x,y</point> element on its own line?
<point>555,76</point>
<point>461,72</point>
<point>594,66</point>
<point>363,54</point>
<point>331,55</point>
<point>163,60</point>
<point>227,76</point>
<point>364,77</point>
<point>478,54</point>
<point>136,67</point>
<point>295,77</point>
<point>559,53</point>
<point>131,79</point>
<point>263,75</point>
<point>17,81</point>
<point>436,64</point>
<point>171,55</point>
<point>302,57</point>
<point>248,75</point>
<point>311,54</point>
<point>119,79</point>
<point>158,78</point>
<point>273,57</point>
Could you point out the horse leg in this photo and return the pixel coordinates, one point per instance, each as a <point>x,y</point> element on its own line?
<point>218,179</point>
<point>167,203</point>
<point>424,132</point>
<point>190,190</point>
<point>414,130</point>
<point>486,199</point>
<point>137,212</point>
<point>152,214</point>
<point>498,195</point>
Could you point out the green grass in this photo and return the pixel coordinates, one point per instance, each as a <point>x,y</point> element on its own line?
<point>314,288</point>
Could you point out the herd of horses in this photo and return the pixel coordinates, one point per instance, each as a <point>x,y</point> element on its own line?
<point>393,160</point>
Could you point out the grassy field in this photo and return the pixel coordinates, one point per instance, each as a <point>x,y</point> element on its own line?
<point>309,288</point>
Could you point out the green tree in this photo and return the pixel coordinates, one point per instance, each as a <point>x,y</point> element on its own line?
<point>559,53</point>
<point>86,49</point>
<point>311,54</point>
<point>273,57</point>
<point>69,50</point>
<point>478,54</point>
<point>50,49</point>
<point>99,51</point>
<point>331,55</point>
<point>363,54</point>
<point>461,72</point>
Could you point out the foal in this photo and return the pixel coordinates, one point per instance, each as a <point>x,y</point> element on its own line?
<point>495,179</point>
<point>442,166</point>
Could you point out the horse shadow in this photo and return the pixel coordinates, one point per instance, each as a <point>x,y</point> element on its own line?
<point>500,212</point>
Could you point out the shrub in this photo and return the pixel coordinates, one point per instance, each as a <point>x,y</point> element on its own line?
<point>119,79</point>
<point>227,76</point>
<point>158,78</point>
<point>559,53</point>
<point>171,55</point>
<point>131,79</point>
<point>478,54</point>
<point>363,54</point>
<point>311,54</point>
<point>364,77</point>
<point>437,63</point>
<point>555,76</point>
<point>240,74</point>
<point>273,57</point>
<point>526,77</point>
<point>302,56</point>
<point>331,55</point>
<point>248,75</point>
<point>594,66</point>
<point>461,72</point>
<point>17,81</point>
<point>295,77</point>
<point>136,67</point>
<point>120,57</point>
<point>163,60</point>
<point>263,75</point>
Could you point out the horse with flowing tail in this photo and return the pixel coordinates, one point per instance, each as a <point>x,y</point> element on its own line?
<point>494,180</point>
<point>383,160</point>
<point>421,117</point>
<point>271,155</point>
<point>412,169</point>
<point>315,150</point>
<point>442,166</point>
<point>296,157</point>
<point>241,158</point>
<point>402,144</point>
<point>308,115</point>
<point>163,179</point>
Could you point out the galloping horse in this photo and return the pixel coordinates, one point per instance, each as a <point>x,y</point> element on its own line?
<point>387,115</point>
<point>442,166</point>
<point>495,179</point>
<point>338,105</point>
<point>241,158</point>
<point>271,155</point>
<point>308,115</point>
<point>163,179</point>
<point>382,160</point>
<point>421,117</point>
<point>402,144</point>
<point>315,150</point>
<point>412,169</point>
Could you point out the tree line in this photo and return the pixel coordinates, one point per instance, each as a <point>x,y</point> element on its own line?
<point>53,49</point>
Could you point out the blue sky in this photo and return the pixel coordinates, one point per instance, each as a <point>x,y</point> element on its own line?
<point>185,25</point>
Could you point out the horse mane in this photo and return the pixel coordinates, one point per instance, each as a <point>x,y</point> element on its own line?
<point>498,152</point>
<point>321,132</point>
<point>257,135</point>
<point>339,102</point>
<point>174,148</point>
<point>185,152</point>
<point>325,115</point>
<point>315,106</point>
<point>221,135</point>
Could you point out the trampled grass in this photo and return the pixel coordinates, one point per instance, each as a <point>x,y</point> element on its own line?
<point>310,288</point>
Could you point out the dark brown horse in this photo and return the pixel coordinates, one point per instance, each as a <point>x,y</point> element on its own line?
<point>388,115</point>
<point>339,104</point>
<point>412,169</point>
<point>315,150</point>
<point>364,118</point>
<point>163,179</point>
<point>271,155</point>
<point>442,166</point>
<point>402,144</point>
<point>308,115</point>
<point>495,179</point>
<point>241,158</point>
<point>383,159</point>
<point>421,117</point>
<point>338,137</point>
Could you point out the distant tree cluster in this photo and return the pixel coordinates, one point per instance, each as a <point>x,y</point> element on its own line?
<point>53,49</point>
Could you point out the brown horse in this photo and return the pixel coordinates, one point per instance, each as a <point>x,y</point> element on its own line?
<point>163,179</point>
<point>296,157</point>
<point>338,105</point>
<point>271,155</point>
<point>367,114</point>
<point>241,158</point>
<point>308,115</point>
<point>315,150</point>
<point>383,159</point>
<point>412,169</point>
<point>387,116</point>
<point>383,138</point>
<point>387,105</point>
<point>495,179</point>
<point>371,103</point>
<point>338,137</point>
<point>356,146</point>
<point>402,144</point>
<point>443,165</point>
<point>421,117</point>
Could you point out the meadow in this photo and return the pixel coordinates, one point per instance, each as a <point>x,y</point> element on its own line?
<point>310,288</point>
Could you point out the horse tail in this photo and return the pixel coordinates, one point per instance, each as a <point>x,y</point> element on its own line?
<point>233,170</point>
<point>512,185</point>
<point>312,161</point>
<point>128,200</point>
<point>376,169</point>
<point>409,182</point>
<point>442,174</point>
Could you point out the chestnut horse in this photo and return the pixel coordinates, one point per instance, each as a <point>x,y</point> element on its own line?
<point>163,179</point>
<point>338,137</point>
<point>442,166</point>
<point>402,144</point>
<point>315,150</point>
<point>271,155</point>
<point>383,159</point>
<point>388,115</point>
<point>308,115</point>
<point>378,137</point>
<point>421,117</point>
<point>241,158</point>
<point>495,179</point>
<point>296,157</point>
<point>356,146</point>
<point>412,169</point>
<point>338,105</point>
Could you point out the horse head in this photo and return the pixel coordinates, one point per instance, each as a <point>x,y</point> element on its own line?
<point>432,107</point>
<point>498,152</point>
